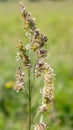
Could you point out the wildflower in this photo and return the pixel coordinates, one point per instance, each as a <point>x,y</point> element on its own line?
<point>9,84</point>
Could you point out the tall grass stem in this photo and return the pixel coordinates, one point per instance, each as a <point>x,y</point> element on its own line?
<point>29,100</point>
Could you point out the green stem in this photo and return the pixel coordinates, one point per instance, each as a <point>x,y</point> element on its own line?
<point>29,101</point>
<point>33,78</point>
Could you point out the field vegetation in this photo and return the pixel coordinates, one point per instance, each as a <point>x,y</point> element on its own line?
<point>56,19</point>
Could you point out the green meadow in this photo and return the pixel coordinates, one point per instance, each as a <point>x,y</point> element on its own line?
<point>55,18</point>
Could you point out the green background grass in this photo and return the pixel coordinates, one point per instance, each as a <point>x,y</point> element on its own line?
<point>56,20</point>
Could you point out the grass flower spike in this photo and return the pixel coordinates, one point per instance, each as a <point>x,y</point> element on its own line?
<point>19,80</point>
<point>34,43</point>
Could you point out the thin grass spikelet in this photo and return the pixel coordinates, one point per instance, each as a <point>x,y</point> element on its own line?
<point>19,80</point>
<point>48,90</point>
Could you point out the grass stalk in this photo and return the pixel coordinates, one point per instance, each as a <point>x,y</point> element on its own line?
<point>29,100</point>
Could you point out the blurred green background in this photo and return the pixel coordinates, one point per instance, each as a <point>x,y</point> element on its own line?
<point>55,18</point>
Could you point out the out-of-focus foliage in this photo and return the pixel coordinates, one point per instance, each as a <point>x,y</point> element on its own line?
<point>56,19</point>
<point>16,0</point>
<point>34,0</point>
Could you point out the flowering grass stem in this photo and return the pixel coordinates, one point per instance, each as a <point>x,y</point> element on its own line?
<point>35,69</point>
